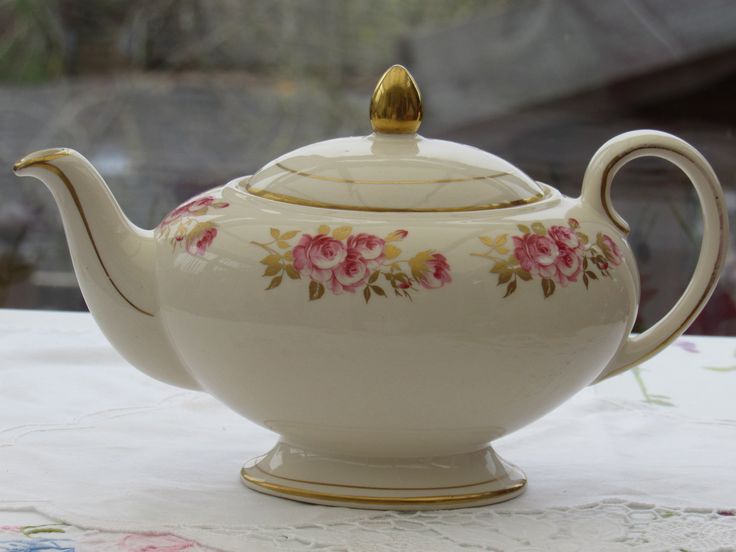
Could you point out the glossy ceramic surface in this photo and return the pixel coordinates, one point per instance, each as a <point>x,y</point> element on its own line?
<point>389,317</point>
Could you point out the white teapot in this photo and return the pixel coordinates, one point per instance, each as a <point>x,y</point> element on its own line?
<point>388,304</point>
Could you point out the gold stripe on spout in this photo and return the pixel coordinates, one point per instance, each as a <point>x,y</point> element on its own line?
<point>41,157</point>
<point>41,161</point>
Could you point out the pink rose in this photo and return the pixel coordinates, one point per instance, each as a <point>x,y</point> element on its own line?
<point>610,249</point>
<point>204,241</point>
<point>191,207</point>
<point>197,206</point>
<point>569,265</point>
<point>536,254</point>
<point>369,247</point>
<point>564,237</point>
<point>316,256</point>
<point>349,275</point>
<point>437,272</point>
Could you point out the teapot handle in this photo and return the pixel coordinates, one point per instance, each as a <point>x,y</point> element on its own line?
<point>604,165</point>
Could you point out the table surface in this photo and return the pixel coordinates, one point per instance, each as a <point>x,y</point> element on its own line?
<point>96,456</point>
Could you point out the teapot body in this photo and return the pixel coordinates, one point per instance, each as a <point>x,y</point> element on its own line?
<point>392,334</point>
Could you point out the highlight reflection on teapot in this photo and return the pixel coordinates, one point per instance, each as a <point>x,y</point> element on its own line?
<point>389,304</point>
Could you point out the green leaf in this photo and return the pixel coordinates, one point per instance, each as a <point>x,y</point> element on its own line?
<point>523,228</point>
<point>275,233</point>
<point>585,281</point>
<point>374,277</point>
<point>290,234</point>
<point>316,290</point>
<point>523,274</point>
<point>548,287</point>
<point>378,290</point>
<point>367,293</point>
<point>504,277</point>
<point>539,229</point>
<point>591,274</point>
<point>292,272</point>
<point>511,288</point>
<point>275,282</point>
<point>499,267</point>
<point>721,369</point>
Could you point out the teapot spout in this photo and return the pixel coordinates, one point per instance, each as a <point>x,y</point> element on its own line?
<point>114,261</point>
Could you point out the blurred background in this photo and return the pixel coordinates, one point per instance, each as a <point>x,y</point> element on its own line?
<point>168,98</point>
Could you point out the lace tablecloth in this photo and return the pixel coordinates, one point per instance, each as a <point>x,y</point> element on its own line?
<point>95,456</point>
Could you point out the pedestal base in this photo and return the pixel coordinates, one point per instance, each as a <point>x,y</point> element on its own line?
<point>459,481</point>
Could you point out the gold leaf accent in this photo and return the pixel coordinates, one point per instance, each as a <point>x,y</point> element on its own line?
<point>374,276</point>
<point>275,233</point>
<point>275,282</point>
<point>342,232</point>
<point>539,229</point>
<point>488,241</point>
<point>272,270</point>
<point>290,234</point>
<point>282,244</point>
<point>323,229</point>
<point>523,228</point>
<point>391,251</point>
<point>504,277</point>
<point>271,259</point>
<point>378,290</point>
<point>523,274</point>
<point>511,288</point>
<point>316,290</point>
<point>418,263</point>
<point>292,272</point>
<point>367,293</point>
<point>500,266</point>
<point>548,287</point>
<point>395,236</point>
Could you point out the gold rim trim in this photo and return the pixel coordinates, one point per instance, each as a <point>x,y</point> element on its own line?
<point>284,198</point>
<point>720,255</point>
<point>384,501</point>
<point>36,159</point>
<point>259,468</point>
<point>41,162</point>
<point>353,181</point>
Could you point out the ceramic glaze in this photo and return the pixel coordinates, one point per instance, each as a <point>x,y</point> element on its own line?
<point>388,305</point>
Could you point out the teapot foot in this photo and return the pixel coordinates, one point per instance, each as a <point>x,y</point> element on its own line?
<point>461,480</point>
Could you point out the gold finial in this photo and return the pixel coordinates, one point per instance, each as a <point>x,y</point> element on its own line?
<point>396,104</point>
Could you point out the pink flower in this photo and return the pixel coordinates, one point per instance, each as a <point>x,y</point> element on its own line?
<point>610,249</point>
<point>569,265</point>
<point>316,256</point>
<point>197,206</point>
<point>204,241</point>
<point>369,247</point>
<point>191,207</point>
<point>437,272</point>
<point>564,237</point>
<point>536,254</point>
<point>350,275</point>
<point>397,235</point>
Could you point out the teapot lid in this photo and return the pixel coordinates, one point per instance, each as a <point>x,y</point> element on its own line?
<point>394,169</point>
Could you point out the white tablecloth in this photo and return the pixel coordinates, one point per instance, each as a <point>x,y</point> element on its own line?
<point>95,456</point>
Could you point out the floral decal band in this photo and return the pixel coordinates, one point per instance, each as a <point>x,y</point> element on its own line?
<point>558,255</point>
<point>339,261</point>
<point>182,228</point>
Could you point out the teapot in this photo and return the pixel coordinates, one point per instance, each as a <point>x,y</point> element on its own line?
<point>388,304</point>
